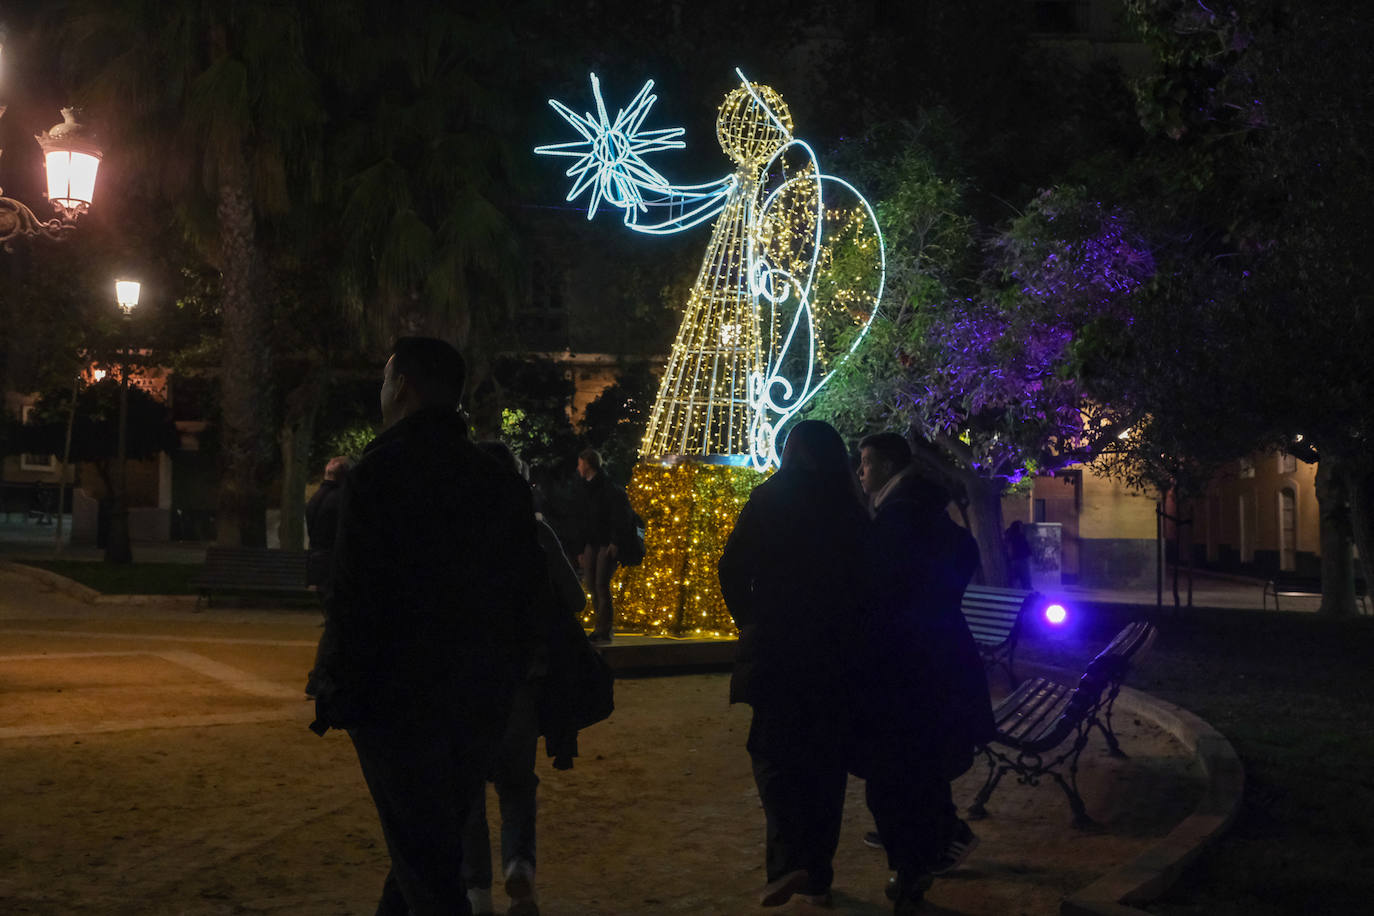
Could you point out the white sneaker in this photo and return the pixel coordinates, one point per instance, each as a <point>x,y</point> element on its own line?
<point>520,888</point>
<point>479,899</point>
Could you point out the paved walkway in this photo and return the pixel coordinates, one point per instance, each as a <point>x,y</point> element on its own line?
<point>155,760</point>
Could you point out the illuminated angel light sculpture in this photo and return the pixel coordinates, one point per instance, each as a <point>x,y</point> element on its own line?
<point>792,276</point>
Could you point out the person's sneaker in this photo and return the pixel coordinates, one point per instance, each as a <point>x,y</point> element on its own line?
<point>872,840</point>
<point>906,893</point>
<point>960,846</point>
<point>520,888</point>
<point>599,639</point>
<point>776,893</point>
<point>479,900</point>
<point>824,899</point>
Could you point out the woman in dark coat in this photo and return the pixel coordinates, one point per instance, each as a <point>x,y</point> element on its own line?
<point>790,576</point>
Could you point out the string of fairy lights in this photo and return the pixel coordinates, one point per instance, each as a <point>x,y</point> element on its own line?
<point>757,339</point>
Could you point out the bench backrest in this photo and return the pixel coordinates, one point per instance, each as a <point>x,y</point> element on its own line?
<point>1125,649</point>
<point>260,566</point>
<point>994,614</point>
<point>1292,584</point>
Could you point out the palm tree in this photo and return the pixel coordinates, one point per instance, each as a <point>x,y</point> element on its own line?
<point>214,108</point>
<point>356,180</point>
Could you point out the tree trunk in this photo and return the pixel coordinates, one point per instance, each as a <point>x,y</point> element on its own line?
<point>245,403</point>
<point>62,468</point>
<point>1338,568</point>
<point>117,549</point>
<point>297,432</point>
<point>1360,490</point>
<point>985,509</point>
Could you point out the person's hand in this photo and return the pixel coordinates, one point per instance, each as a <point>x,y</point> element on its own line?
<point>613,552</point>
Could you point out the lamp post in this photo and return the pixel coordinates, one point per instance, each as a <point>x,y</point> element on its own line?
<point>117,549</point>
<point>71,159</point>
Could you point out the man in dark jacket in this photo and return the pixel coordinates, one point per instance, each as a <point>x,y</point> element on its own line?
<point>925,699</point>
<point>427,621</point>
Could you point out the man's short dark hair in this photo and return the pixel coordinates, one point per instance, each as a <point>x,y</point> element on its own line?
<point>592,457</point>
<point>434,367</point>
<point>891,447</point>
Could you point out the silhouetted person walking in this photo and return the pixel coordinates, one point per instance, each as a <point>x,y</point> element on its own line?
<point>922,693</point>
<point>427,622</point>
<point>791,577</point>
<point>1018,554</point>
<point>605,511</point>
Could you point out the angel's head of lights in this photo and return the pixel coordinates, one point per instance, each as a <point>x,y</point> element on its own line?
<point>753,124</point>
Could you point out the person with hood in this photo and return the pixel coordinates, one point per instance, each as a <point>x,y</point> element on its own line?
<point>923,694</point>
<point>791,578</point>
<point>428,622</point>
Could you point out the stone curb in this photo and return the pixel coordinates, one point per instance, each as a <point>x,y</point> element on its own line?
<point>1151,873</point>
<point>89,595</point>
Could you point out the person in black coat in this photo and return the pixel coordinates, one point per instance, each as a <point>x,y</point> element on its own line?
<point>606,512</point>
<point>428,621</point>
<point>791,577</point>
<point>923,694</point>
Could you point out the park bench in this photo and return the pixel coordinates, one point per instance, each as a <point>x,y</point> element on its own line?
<point>1043,725</point>
<point>1289,585</point>
<point>37,501</point>
<point>241,570</point>
<point>994,618</point>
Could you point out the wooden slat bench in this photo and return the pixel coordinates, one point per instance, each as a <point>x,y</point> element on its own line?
<point>241,570</point>
<point>1043,725</point>
<point>1289,585</point>
<point>994,617</point>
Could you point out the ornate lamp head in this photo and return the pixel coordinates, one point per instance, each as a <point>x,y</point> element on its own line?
<point>72,159</point>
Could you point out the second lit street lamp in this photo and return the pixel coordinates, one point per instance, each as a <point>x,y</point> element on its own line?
<point>117,547</point>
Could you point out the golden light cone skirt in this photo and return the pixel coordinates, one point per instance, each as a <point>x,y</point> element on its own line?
<point>689,509</point>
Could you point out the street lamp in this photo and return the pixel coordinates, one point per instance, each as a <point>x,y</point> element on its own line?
<point>71,160</point>
<point>117,548</point>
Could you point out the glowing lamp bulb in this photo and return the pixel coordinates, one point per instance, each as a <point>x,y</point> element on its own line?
<point>1056,614</point>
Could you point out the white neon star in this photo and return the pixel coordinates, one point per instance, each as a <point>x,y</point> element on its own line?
<point>610,154</point>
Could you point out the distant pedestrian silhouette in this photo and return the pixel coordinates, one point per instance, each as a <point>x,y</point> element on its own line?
<point>1018,554</point>
<point>606,511</point>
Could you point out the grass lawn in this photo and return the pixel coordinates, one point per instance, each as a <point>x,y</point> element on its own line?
<point>1295,696</point>
<point>126,578</point>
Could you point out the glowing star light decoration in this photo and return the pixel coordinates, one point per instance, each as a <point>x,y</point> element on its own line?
<point>791,278</point>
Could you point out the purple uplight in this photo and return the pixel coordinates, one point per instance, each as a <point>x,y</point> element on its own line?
<point>1056,614</point>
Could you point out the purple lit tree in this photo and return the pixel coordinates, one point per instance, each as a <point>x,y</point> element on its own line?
<point>995,377</point>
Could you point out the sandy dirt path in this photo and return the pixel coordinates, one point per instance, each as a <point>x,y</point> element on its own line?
<point>157,761</point>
